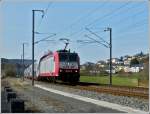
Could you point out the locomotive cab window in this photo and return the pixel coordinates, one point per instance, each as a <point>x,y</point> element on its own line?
<point>73,57</point>
<point>68,57</point>
<point>63,57</point>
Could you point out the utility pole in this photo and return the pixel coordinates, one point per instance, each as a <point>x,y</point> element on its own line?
<point>32,47</point>
<point>110,47</point>
<point>33,14</point>
<point>21,67</point>
<point>23,44</point>
<point>110,30</point>
<point>104,43</point>
<point>23,62</point>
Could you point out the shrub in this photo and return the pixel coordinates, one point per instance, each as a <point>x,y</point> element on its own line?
<point>11,73</point>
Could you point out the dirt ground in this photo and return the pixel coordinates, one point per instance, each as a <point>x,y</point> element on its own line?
<point>41,101</point>
<point>18,86</point>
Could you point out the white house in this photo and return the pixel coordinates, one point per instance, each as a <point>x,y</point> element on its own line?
<point>136,68</point>
<point>127,62</point>
<point>126,69</point>
<point>115,60</point>
<point>113,71</point>
<point>101,63</point>
<point>118,67</point>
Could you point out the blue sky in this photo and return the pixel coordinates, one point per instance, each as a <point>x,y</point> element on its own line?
<point>128,20</point>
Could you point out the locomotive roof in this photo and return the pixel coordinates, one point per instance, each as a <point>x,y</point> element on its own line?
<point>62,51</point>
<point>51,53</point>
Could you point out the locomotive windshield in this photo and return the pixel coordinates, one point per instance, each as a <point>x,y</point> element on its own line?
<point>72,57</point>
<point>63,57</point>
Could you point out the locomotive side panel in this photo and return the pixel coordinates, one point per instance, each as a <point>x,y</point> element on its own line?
<point>56,59</point>
<point>47,66</point>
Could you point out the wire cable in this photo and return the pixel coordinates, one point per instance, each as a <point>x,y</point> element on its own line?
<point>45,12</point>
<point>98,41</point>
<point>82,17</point>
<point>136,24</point>
<point>44,39</point>
<point>89,13</point>
<point>97,36</point>
<point>110,13</point>
<point>118,23</point>
<point>119,14</point>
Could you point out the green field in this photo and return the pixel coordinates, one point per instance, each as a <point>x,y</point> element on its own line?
<point>116,80</point>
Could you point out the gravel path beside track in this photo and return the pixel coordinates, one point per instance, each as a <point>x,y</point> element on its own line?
<point>141,104</point>
<point>33,95</point>
<point>48,102</point>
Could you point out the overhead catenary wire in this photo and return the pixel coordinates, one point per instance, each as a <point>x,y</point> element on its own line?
<point>107,46</point>
<point>134,25</point>
<point>45,12</point>
<point>42,50</point>
<point>129,9</point>
<point>89,13</point>
<point>39,33</point>
<point>44,39</point>
<point>128,17</point>
<point>77,20</point>
<point>85,41</point>
<point>108,14</point>
<point>82,17</point>
<point>52,42</point>
<point>118,23</point>
<point>131,34</point>
<point>97,36</point>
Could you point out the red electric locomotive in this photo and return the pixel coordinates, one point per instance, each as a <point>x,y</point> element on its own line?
<point>62,65</point>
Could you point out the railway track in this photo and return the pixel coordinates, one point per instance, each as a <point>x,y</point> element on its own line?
<point>119,90</point>
<point>138,92</point>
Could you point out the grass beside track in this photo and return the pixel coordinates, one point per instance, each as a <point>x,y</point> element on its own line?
<point>116,80</point>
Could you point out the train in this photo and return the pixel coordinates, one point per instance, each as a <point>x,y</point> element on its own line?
<point>59,65</point>
<point>28,71</point>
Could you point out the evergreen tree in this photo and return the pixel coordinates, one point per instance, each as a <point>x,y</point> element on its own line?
<point>134,61</point>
